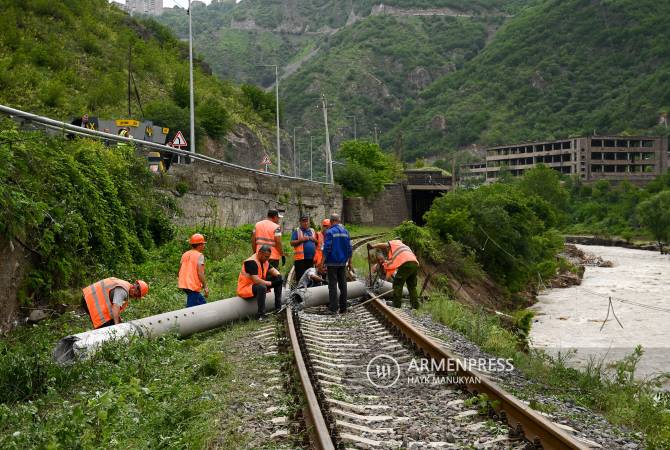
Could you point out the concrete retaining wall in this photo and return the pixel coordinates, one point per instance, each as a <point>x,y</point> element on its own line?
<point>225,197</point>
<point>389,208</point>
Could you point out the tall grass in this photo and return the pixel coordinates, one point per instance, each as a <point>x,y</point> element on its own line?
<point>609,388</point>
<point>145,393</point>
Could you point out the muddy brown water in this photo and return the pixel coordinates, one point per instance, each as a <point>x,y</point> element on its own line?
<point>571,318</point>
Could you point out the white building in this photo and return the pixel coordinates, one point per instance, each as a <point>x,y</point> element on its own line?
<point>151,7</point>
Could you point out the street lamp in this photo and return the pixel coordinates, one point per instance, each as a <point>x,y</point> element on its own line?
<point>277,101</point>
<point>190,79</point>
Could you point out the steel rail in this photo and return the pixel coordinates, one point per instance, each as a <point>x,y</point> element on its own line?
<point>81,131</point>
<point>536,428</point>
<point>316,424</point>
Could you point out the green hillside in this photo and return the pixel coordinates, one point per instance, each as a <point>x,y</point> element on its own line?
<point>235,38</point>
<point>375,68</point>
<point>70,57</point>
<point>559,68</point>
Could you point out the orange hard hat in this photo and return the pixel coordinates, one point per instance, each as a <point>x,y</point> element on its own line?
<point>144,287</point>
<point>197,238</point>
<point>325,223</point>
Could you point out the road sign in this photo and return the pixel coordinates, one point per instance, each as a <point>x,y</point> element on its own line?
<point>127,123</point>
<point>179,140</point>
<point>266,161</point>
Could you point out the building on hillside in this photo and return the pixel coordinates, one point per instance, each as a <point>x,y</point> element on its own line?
<point>151,7</point>
<point>637,159</point>
<point>472,174</point>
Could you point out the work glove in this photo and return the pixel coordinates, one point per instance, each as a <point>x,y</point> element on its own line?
<point>283,260</point>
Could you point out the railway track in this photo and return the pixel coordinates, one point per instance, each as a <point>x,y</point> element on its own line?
<point>350,403</point>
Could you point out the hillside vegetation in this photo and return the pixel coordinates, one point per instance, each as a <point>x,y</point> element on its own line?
<point>560,68</point>
<point>368,65</point>
<point>66,58</point>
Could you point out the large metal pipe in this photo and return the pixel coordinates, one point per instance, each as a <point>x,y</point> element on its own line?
<point>185,321</point>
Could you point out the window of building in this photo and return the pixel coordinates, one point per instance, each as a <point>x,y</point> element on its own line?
<point>596,168</point>
<point>647,144</point>
<point>596,143</point>
<point>609,143</point>
<point>596,155</point>
<point>621,156</point>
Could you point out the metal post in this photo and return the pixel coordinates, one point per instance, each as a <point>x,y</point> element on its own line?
<point>354,117</point>
<point>277,100</point>
<point>190,80</point>
<point>310,157</point>
<point>294,166</point>
<point>295,172</point>
<point>329,159</point>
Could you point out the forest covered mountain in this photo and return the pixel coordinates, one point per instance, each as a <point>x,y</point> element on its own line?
<point>433,77</point>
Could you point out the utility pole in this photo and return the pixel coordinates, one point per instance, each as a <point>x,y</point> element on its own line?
<point>329,158</point>
<point>355,137</point>
<point>295,173</point>
<point>277,112</point>
<point>376,139</point>
<point>310,157</point>
<point>129,69</point>
<point>190,78</point>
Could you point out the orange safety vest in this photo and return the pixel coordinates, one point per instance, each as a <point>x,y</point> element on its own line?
<point>244,280</point>
<point>188,271</point>
<point>318,256</point>
<point>265,235</point>
<point>399,254</point>
<point>98,302</point>
<point>299,250</point>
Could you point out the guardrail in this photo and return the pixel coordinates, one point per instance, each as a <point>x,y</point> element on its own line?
<point>80,131</point>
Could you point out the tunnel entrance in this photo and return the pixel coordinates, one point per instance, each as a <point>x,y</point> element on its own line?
<point>421,203</point>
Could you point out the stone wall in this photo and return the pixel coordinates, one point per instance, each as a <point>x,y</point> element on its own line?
<point>225,197</point>
<point>389,208</point>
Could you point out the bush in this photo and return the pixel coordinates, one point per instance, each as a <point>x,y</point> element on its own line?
<point>503,227</point>
<point>82,207</point>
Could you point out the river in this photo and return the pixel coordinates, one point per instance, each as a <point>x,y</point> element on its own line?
<point>571,318</point>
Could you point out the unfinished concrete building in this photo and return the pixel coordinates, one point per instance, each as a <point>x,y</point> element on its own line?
<point>637,159</point>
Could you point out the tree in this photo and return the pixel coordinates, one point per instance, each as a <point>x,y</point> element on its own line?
<point>655,215</point>
<point>545,183</point>
<point>367,168</point>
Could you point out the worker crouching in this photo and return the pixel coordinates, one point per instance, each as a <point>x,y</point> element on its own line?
<point>257,277</point>
<point>106,299</point>
<point>192,272</point>
<point>403,266</point>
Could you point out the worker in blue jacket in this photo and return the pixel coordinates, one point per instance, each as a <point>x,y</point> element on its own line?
<point>337,253</point>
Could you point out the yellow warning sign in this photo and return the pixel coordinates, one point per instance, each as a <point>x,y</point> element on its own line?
<point>166,130</point>
<point>127,123</point>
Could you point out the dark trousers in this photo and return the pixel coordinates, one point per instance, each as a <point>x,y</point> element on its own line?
<point>337,278</point>
<point>109,323</point>
<point>407,273</point>
<point>261,291</point>
<point>274,263</point>
<point>300,267</point>
<point>194,298</point>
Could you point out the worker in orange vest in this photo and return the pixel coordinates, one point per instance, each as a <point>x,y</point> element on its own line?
<point>105,300</point>
<point>401,263</point>
<point>257,277</point>
<point>303,240</point>
<point>192,272</point>
<point>268,232</point>
<point>318,257</point>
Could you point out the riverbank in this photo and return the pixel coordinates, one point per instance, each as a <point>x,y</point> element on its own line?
<point>610,242</point>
